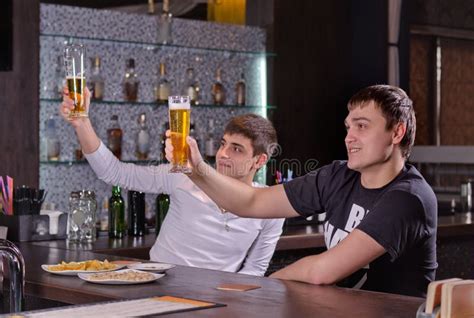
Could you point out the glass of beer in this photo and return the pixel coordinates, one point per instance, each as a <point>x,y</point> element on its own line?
<point>74,57</point>
<point>179,112</point>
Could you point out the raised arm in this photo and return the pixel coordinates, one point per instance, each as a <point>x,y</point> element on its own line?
<point>82,125</point>
<point>233,195</point>
<point>106,166</point>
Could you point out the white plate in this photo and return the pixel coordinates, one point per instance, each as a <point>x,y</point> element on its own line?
<point>152,267</point>
<point>86,277</point>
<point>75,272</point>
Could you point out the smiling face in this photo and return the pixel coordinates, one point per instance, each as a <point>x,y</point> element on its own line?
<point>369,144</point>
<point>235,157</point>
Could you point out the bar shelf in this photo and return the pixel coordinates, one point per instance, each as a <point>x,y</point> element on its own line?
<point>153,104</point>
<point>155,46</point>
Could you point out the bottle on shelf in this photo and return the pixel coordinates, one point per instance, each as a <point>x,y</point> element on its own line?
<point>117,226</point>
<point>165,25</point>
<point>240,91</point>
<point>162,86</point>
<point>143,139</point>
<point>130,83</point>
<point>151,7</point>
<point>114,137</point>
<point>96,81</point>
<point>136,213</point>
<point>78,155</point>
<point>162,206</point>
<point>210,151</point>
<point>192,87</point>
<point>52,145</point>
<point>218,89</point>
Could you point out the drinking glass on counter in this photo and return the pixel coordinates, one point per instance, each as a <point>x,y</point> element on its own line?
<point>179,115</point>
<point>81,219</point>
<point>74,55</point>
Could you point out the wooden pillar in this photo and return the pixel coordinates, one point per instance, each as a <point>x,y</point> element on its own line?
<point>19,98</point>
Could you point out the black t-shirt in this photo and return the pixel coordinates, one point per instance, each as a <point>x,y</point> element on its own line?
<point>401,216</point>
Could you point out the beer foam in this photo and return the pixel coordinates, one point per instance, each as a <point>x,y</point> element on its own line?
<point>180,106</point>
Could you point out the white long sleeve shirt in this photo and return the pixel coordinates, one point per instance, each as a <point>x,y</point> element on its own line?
<point>195,231</point>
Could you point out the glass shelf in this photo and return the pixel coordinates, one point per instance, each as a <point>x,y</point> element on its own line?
<point>150,45</point>
<point>151,162</point>
<point>153,104</point>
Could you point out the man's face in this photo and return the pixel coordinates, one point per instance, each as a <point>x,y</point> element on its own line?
<point>368,143</point>
<point>235,157</point>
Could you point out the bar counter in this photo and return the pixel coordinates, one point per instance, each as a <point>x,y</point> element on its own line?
<point>274,299</point>
<point>293,238</point>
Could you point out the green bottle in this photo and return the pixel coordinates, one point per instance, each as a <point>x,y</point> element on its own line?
<point>162,206</point>
<point>117,226</point>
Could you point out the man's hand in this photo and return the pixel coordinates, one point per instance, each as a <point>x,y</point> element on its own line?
<point>194,156</point>
<point>68,105</point>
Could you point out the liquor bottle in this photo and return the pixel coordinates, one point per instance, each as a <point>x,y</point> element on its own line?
<point>151,7</point>
<point>210,151</point>
<point>240,91</point>
<point>192,87</point>
<point>52,145</point>
<point>218,90</point>
<point>165,23</point>
<point>114,137</point>
<point>116,214</point>
<point>162,86</point>
<point>143,139</point>
<point>77,154</point>
<point>136,213</point>
<point>130,82</point>
<point>162,206</point>
<point>162,142</point>
<point>96,81</point>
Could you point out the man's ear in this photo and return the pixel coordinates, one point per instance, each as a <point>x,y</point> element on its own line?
<point>399,132</point>
<point>261,161</point>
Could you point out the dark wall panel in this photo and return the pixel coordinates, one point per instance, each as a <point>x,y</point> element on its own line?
<point>326,51</point>
<point>19,113</point>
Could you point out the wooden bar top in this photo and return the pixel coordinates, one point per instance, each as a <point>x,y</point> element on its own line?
<point>274,299</point>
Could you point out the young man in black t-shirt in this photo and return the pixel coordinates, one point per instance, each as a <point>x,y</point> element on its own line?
<point>381,214</point>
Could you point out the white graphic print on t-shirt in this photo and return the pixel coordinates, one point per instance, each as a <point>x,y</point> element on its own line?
<point>332,235</point>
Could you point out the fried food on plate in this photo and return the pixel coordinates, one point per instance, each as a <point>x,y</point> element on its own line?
<point>90,265</point>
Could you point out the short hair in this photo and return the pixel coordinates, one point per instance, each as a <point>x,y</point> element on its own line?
<point>259,130</point>
<point>396,108</point>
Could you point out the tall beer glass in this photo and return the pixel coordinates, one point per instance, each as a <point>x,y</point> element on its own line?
<point>180,113</point>
<point>74,57</point>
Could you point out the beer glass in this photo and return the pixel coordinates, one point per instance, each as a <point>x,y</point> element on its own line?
<point>179,113</point>
<point>74,57</point>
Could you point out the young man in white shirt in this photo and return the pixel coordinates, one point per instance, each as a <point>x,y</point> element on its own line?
<point>196,231</point>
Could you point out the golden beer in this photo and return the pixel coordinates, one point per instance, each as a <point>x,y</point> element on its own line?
<point>76,85</point>
<point>74,56</point>
<point>179,115</point>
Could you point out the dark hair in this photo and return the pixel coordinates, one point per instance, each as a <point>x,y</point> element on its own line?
<point>396,108</point>
<point>259,130</point>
